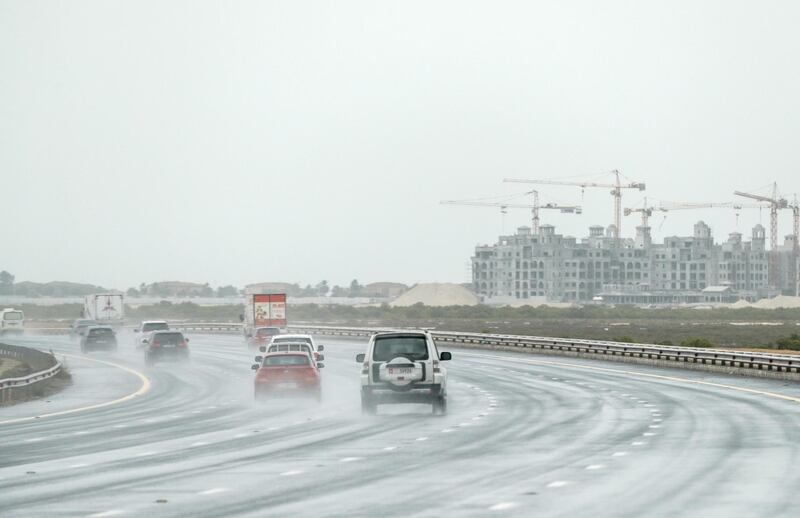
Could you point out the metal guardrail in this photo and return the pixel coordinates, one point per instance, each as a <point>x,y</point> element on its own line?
<point>684,355</point>
<point>33,357</point>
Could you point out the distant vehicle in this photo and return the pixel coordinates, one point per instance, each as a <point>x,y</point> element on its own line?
<point>147,326</point>
<point>263,310</point>
<point>263,335</point>
<point>299,338</point>
<point>165,345</point>
<point>287,373</point>
<point>403,367</point>
<point>99,337</point>
<point>105,308</point>
<point>79,327</point>
<point>303,347</point>
<point>12,321</point>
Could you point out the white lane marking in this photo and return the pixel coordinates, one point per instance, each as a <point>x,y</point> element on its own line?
<point>422,438</point>
<point>144,388</point>
<point>197,411</point>
<point>648,434</point>
<point>213,491</point>
<point>199,443</point>
<point>657,420</point>
<point>112,512</point>
<point>34,439</point>
<point>145,453</point>
<point>654,426</point>
<point>638,443</point>
<point>272,429</point>
<point>291,473</point>
<point>240,435</point>
<point>502,506</point>
<point>80,432</point>
<point>447,430</point>
<point>120,426</point>
<point>390,448</point>
<point>78,465</point>
<point>619,453</point>
<point>350,459</point>
<point>592,467</point>
<point>557,483</point>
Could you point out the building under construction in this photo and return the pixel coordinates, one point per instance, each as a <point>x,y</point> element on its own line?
<point>547,266</point>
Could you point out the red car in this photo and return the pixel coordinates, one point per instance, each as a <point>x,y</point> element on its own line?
<point>286,373</point>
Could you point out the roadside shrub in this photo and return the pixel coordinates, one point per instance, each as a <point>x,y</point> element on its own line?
<point>791,342</point>
<point>697,342</point>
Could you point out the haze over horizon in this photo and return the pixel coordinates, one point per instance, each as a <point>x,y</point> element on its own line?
<point>238,142</point>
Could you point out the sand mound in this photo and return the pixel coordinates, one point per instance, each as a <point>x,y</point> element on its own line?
<point>436,294</point>
<point>781,301</point>
<point>741,304</point>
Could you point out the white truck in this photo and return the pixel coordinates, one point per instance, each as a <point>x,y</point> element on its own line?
<point>12,321</point>
<point>105,308</point>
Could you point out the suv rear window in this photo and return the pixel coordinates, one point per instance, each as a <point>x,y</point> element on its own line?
<point>290,339</point>
<point>155,326</point>
<point>12,315</point>
<point>168,338</point>
<point>303,348</point>
<point>101,332</point>
<point>268,331</point>
<point>411,347</point>
<point>288,359</point>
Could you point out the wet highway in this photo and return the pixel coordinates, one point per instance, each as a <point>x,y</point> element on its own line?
<point>525,435</point>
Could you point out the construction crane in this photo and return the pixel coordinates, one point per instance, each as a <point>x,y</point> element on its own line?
<point>616,192</point>
<point>775,203</point>
<point>535,207</point>
<point>647,211</point>
<point>795,245</point>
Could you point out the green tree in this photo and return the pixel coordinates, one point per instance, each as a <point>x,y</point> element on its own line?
<point>6,283</point>
<point>355,288</point>
<point>132,292</point>
<point>322,288</point>
<point>227,291</point>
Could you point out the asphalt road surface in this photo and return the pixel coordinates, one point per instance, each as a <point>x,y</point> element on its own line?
<point>526,435</point>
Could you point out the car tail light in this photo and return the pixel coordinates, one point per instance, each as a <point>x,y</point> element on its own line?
<point>156,344</point>
<point>182,343</point>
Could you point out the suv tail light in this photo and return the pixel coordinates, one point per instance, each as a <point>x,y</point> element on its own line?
<point>182,343</point>
<point>156,343</point>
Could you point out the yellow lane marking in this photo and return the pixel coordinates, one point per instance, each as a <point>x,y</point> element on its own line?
<point>642,375</point>
<point>143,389</point>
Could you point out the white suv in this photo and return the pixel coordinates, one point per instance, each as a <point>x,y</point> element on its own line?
<point>403,367</point>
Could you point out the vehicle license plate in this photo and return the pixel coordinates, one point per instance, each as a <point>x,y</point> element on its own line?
<point>287,386</point>
<point>169,345</point>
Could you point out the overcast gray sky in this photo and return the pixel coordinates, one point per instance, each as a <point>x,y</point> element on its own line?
<point>235,142</point>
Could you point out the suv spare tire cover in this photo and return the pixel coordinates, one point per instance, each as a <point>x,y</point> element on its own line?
<point>396,362</point>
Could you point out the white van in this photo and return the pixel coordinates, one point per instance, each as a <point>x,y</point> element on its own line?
<point>12,321</point>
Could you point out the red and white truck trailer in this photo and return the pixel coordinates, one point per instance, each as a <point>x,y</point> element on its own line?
<point>264,310</point>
